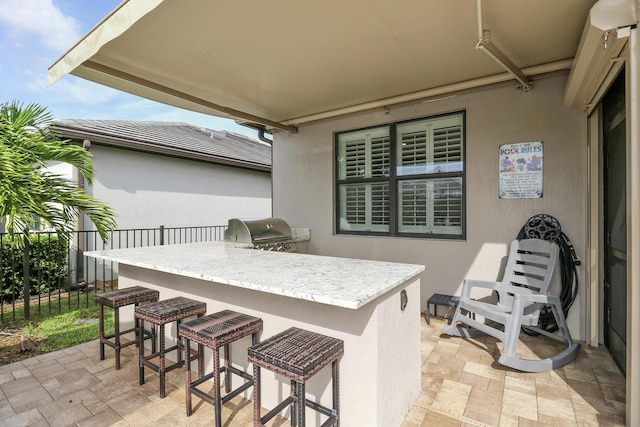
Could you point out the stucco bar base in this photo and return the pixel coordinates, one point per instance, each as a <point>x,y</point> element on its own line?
<point>379,372</point>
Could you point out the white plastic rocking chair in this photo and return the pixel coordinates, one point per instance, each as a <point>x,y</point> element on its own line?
<point>523,291</point>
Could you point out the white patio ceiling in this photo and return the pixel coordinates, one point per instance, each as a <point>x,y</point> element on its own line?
<point>291,61</point>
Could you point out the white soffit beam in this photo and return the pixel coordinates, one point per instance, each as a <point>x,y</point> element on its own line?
<point>165,91</point>
<point>553,67</point>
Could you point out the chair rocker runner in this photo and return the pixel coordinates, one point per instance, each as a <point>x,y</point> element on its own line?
<point>523,291</point>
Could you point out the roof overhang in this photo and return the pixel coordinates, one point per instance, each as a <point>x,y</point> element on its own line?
<point>282,63</point>
<point>153,146</point>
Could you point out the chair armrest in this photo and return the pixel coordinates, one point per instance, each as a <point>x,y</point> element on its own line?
<point>469,284</point>
<point>521,290</point>
<point>537,298</point>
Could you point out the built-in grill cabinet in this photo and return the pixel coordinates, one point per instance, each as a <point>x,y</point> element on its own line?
<point>272,234</point>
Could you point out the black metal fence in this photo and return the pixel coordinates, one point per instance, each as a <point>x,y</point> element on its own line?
<point>51,273</point>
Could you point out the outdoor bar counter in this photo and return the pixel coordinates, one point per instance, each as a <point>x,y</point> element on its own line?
<point>373,306</point>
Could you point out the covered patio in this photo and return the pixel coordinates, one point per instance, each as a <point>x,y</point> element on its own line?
<point>558,73</point>
<point>462,384</point>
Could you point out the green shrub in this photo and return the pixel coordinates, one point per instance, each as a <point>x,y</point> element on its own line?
<point>48,266</point>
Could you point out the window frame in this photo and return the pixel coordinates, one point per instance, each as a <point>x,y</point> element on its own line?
<point>394,179</point>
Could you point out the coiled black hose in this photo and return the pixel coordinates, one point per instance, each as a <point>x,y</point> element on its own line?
<point>546,227</point>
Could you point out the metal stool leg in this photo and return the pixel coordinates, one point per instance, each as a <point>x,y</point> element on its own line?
<point>179,341</point>
<point>187,376</point>
<point>101,332</point>
<point>294,404</point>
<point>136,330</point>
<point>301,404</point>
<point>256,396</point>
<point>141,353</point>
<point>200,360</point>
<point>161,361</point>
<point>335,371</point>
<point>227,374</point>
<point>216,392</point>
<point>116,324</point>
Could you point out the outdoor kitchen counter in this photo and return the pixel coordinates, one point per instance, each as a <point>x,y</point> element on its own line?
<point>343,282</point>
<point>373,306</point>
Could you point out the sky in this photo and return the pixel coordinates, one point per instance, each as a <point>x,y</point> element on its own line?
<point>35,33</point>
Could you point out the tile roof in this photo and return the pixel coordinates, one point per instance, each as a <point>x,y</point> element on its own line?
<point>171,138</point>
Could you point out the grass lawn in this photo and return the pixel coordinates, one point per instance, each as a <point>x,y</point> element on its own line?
<point>56,327</point>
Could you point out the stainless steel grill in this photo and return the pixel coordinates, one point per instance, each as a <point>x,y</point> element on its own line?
<point>271,234</point>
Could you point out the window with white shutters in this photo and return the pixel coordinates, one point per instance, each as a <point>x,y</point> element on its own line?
<point>421,196</point>
<point>430,146</point>
<point>363,165</point>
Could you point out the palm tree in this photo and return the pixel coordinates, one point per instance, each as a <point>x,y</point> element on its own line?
<point>29,193</point>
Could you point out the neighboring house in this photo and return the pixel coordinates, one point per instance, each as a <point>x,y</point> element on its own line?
<point>388,118</point>
<point>173,174</point>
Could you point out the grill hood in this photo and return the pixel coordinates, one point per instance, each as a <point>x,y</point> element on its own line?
<point>257,231</point>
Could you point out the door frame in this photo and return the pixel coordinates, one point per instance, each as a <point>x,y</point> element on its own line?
<point>595,213</point>
<point>612,337</point>
<point>630,58</point>
<point>633,228</point>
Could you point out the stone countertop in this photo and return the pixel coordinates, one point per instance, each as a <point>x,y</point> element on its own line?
<point>342,282</point>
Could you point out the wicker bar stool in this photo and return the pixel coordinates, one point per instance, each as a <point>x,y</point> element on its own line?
<point>215,331</point>
<point>297,355</point>
<point>115,300</point>
<point>159,314</point>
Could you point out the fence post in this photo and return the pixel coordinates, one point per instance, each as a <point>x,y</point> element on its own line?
<point>161,235</point>
<point>26,277</point>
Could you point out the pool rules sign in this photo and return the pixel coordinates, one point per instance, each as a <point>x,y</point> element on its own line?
<point>520,170</point>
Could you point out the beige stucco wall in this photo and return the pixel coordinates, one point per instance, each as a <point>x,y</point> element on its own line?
<point>303,185</point>
<point>149,190</point>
